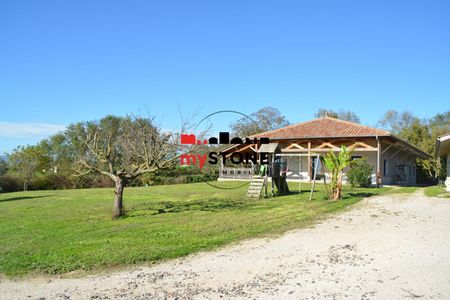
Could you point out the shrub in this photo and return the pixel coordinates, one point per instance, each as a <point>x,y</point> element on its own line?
<point>202,177</point>
<point>178,175</point>
<point>360,174</point>
<point>42,182</point>
<point>101,181</point>
<point>64,181</point>
<point>10,183</point>
<point>92,180</point>
<point>52,181</point>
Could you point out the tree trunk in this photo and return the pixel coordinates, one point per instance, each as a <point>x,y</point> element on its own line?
<point>118,198</point>
<point>336,193</point>
<point>26,183</point>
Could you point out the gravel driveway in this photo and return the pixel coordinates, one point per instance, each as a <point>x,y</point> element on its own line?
<point>386,247</point>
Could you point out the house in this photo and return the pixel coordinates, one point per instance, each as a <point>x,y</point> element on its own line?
<point>443,149</point>
<point>393,160</point>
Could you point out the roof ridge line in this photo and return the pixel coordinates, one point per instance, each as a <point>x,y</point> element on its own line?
<point>285,127</point>
<point>354,123</point>
<point>385,132</point>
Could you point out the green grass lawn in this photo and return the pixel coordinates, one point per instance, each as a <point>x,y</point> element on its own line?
<point>61,231</point>
<point>437,191</point>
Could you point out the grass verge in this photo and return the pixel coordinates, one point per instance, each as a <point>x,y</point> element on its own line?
<point>55,232</point>
<point>437,191</point>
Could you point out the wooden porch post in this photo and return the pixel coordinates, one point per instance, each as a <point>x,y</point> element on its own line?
<point>309,160</point>
<point>378,175</point>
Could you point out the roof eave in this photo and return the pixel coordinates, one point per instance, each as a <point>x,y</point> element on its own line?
<point>421,153</point>
<point>331,137</point>
<point>443,139</point>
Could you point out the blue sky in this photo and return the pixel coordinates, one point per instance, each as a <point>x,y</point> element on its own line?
<point>66,61</point>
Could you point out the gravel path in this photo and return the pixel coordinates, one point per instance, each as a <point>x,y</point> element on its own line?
<point>387,247</point>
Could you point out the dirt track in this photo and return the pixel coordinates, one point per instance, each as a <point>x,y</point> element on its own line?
<point>388,247</point>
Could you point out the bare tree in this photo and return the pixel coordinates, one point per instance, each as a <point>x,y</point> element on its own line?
<point>265,119</point>
<point>396,122</point>
<point>122,148</point>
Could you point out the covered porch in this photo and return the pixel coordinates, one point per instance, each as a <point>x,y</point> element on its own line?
<point>393,161</point>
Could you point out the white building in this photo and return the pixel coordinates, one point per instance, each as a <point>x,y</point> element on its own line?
<point>443,149</point>
<point>393,160</point>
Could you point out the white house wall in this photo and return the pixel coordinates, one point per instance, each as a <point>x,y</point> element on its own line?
<point>447,182</point>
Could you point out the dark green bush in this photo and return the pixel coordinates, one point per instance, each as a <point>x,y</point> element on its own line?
<point>101,181</point>
<point>42,182</point>
<point>360,173</point>
<point>52,181</point>
<point>10,183</point>
<point>202,177</point>
<point>178,175</point>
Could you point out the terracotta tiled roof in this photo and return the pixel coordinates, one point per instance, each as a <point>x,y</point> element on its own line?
<point>323,127</point>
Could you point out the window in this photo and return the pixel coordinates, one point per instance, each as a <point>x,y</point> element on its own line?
<point>356,157</point>
<point>385,167</point>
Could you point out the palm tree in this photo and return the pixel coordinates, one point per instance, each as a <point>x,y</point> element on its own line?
<point>336,165</point>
